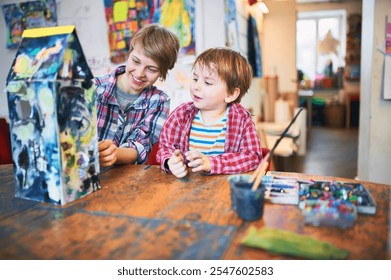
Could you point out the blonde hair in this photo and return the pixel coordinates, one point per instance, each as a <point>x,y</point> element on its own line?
<point>231,66</point>
<point>159,44</point>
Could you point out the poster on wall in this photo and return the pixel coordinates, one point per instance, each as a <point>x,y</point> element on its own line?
<point>26,15</point>
<point>178,16</point>
<point>254,48</point>
<point>231,25</point>
<point>124,18</point>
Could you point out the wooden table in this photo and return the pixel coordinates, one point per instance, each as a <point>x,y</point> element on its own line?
<point>143,213</point>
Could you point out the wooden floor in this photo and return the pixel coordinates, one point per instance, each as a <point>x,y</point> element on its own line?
<point>330,152</point>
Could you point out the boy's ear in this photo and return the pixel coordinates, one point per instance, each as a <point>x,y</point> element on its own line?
<point>232,97</point>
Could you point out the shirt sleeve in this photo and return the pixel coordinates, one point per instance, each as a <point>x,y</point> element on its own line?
<point>148,131</point>
<point>169,138</point>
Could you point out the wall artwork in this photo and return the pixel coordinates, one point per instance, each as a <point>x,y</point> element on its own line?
<point>52,117</point>
<point>21,16</point>
<point>254,48</point>
<point>231,25</point>
<point>178,16</point>
<point>124,18</point>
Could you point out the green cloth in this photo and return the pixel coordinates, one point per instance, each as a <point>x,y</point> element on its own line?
<point>288,243</point>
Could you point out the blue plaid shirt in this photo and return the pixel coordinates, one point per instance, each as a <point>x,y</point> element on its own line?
<point>140,125</point>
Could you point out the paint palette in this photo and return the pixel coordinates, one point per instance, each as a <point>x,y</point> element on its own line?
<point>354,193</point>
<point>281,190</point>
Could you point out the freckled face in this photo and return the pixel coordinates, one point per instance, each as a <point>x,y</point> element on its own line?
<point>207,90</point>
<point>141,72</point>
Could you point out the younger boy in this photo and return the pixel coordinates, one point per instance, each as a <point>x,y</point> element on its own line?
<point>131,110</point>
<point>214,133</point>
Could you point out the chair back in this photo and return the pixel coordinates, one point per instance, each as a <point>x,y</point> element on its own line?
<point>152,155</point>
<point>5,143</point>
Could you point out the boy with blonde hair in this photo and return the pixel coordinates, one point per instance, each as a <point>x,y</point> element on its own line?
<point>131,110</point>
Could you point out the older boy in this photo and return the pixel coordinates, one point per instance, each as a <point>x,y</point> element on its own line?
<point>131,110</point>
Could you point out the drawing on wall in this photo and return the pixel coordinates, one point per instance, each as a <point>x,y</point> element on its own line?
<point>178,16</point>
<point>254,48</point>
<point>231,25</point>
<point>21,16</point>
<point>124,18</point>
<point>52,117</point>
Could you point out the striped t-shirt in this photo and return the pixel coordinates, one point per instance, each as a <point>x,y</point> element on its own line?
<point>208,139</point>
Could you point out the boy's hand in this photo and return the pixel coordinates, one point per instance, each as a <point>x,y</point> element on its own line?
<point>177,165</point>
<point>107,152</point>
<point>198,161</point>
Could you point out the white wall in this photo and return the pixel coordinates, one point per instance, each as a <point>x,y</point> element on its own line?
<point>374,157</point>
<point>279,43</point>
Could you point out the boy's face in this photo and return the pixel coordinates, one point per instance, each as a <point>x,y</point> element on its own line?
<point>207,90</point>
<point>141,71</point>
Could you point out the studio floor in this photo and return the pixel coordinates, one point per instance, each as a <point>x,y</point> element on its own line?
<point>330,152</point>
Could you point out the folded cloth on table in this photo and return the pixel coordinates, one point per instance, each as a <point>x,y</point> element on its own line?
<point>288,243</point>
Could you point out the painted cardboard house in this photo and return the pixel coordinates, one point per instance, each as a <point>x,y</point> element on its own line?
<point>52,116</point>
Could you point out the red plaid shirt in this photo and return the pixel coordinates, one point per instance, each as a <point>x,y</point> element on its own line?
<point>242,150</point>
<point>139,127</point>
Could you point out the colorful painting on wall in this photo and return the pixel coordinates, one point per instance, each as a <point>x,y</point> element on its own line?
<point>124,18</point>
<point>178,16</point>
<point>52,117</point>
<point>21,16</point>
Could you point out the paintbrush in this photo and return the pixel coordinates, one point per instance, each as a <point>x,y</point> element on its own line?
<point>256,177</point>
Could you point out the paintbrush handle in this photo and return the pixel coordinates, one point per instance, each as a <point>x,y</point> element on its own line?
<point>260,171</point>
<point>256,177</point>
<point>259,168</point>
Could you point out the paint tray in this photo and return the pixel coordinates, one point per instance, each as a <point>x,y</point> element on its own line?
<point>354,193</point>
<point>281,190</point>
<point>332,213</point>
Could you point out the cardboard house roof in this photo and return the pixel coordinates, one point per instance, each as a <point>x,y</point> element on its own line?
<point>50,53</point>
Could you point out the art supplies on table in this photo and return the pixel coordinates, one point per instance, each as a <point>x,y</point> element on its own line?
<point>281,190</point>
<point>333,212</point>
<point>332,203</point>
<point>354,193</point>
<point>323,203</point>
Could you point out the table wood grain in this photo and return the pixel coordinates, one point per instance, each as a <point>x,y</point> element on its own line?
<point>143,213</point>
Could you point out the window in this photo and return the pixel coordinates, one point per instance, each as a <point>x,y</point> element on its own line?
<point>320,43</point>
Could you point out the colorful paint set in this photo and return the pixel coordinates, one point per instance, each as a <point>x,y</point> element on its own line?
<point>52,117</point>
<point>332,203</point>
<point>323,203</point>
<point>353,193</point>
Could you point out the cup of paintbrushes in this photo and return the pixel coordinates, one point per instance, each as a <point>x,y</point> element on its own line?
<point>247,203</point>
